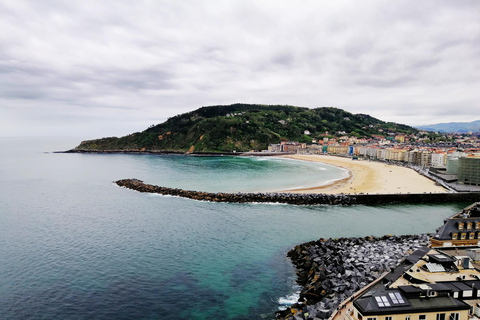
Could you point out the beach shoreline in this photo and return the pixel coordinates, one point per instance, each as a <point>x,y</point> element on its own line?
<point>368,177</point>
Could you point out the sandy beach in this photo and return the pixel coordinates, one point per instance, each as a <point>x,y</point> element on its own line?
<point>369,177</point>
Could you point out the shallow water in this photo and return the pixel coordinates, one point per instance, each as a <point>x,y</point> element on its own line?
<point>74,245</point>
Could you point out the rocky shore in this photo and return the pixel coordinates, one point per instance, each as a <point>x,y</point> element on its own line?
<point>301,198</point>
<point>330,271</point>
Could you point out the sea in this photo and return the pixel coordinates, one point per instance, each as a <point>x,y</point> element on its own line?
<point>73,245</point>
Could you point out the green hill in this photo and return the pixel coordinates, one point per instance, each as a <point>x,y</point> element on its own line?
<point>245,127</point>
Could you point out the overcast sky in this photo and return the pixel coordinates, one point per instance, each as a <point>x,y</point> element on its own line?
<point>108,68</point>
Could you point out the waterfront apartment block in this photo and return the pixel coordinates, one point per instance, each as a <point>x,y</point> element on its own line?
<point>465,163</point>
<point>469,170</point>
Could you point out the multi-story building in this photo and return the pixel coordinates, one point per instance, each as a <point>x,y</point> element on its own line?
<point>453,161</point>
<point>469,170</point>
<point>439,159</point>
<point>428,285</point>
<point>461,229</point>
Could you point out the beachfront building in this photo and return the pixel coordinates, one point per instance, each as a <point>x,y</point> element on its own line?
<point>439,159</point>
<point>394,154</point>
<point>461,229</point>
<point>453,161</point>
<point>287,146</point>
<point>430,284</point>
<point>469,170</point>
<point>425,158</point>
<point>338,149</point>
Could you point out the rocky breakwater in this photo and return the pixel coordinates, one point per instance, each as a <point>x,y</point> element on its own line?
<point>289,198</point>
<point>330,271</point>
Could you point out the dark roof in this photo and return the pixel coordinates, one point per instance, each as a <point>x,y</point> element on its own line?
<point>438,304</point>
<point>439,287</point>
<point>451,226</point>
<point>409,261</point>
<point>473,284</point>
<point>367,304</point>
<point>410,289</point>
<point>417,255</point>
<point>475,211</point>
<point>440,258</point>
<point>460,285</point>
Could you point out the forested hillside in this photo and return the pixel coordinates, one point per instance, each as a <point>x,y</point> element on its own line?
<point>245,127</point>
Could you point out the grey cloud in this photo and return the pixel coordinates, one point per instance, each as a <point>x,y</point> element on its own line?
<point>147,60</point>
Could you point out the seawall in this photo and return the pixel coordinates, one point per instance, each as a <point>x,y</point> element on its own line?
<point>303,199</point>
<point>170,152</point>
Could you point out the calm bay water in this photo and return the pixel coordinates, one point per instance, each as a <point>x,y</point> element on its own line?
<point>75,246</point>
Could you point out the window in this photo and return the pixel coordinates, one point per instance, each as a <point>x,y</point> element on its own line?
<point>460,226</point>
<point>382,301</point>
<point>388,318</point>
<point>407,317</point>
<point>477,225</point>
<point>440,316</point>
<point>471,236</point>
<point>454,316</point>
<point>469,226</point>
<point>463,236</point>
<point>454,236</point>
<point>396,297</point>
<point>422,317</point>
<point>374,318</point>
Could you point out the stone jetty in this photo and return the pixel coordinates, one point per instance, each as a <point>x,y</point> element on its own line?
<point>302,198</point>
<point>330,271</point>
<point>288,198</point>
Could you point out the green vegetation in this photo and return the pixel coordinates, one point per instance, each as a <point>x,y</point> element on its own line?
<point>245,127</point>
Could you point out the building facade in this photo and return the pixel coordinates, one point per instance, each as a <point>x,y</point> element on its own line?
<point>469,170</point>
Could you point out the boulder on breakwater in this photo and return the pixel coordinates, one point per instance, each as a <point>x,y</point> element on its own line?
<point>332,270</point>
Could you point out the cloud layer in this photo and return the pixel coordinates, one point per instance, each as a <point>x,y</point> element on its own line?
<point>99,68</point>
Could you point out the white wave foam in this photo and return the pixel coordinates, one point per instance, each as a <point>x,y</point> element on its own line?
<point>288,300</point>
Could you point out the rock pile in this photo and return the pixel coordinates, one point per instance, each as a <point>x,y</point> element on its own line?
<point>332,270</point>
<point>289,198</point>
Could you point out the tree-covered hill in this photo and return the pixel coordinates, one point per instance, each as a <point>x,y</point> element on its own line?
<point>245,127</point>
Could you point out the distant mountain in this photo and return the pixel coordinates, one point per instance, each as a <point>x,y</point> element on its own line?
<point>245,127</point>
<point>452,127</point>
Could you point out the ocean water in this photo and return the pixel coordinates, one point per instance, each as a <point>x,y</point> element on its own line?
<point>73,245</point>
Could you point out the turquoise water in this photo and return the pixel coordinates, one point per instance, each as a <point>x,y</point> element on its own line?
<point>73,245</point>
